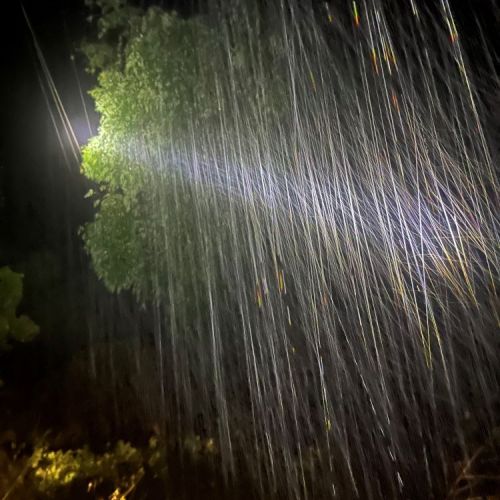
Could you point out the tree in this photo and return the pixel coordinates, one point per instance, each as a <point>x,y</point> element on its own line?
<point>162,80</point>
<point>143,98</point>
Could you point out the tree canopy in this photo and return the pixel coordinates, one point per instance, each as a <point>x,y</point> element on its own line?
<point>159,83</point>
<point>149,86</point>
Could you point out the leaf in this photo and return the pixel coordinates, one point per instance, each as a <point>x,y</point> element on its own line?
<point>23,329</point>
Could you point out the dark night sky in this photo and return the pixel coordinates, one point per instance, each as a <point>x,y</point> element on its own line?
<point>28,151</point>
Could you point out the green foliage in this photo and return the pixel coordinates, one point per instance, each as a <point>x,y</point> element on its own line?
<point>121,471</point>
<point>150,88</point>
<point>122,466</point>
<point>13,327</point>
<point>114,23</point>
<point>199,448</point>
<point>117,242</point>
<point>158,82</point>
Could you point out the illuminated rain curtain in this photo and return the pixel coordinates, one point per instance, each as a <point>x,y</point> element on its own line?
<point>315,220</point>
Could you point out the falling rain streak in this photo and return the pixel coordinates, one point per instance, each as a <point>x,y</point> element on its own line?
<point>326,261</point>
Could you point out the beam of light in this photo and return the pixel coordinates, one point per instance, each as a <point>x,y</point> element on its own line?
<point>72,133</point>
<point>325,252</point>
